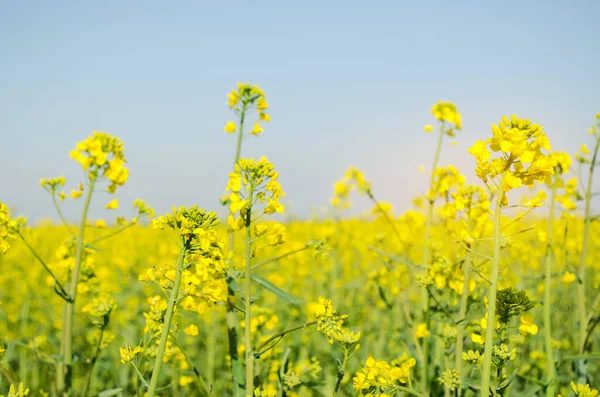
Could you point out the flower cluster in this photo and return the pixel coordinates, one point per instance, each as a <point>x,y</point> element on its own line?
<point>50,185</point>
<point>585,156</point>
<point>522,160</point>
<point>20,391</point>
<point>583,390</point>
<point>253,182</point>
<point>473,357</point>
<point>566,189</point>
<point>446,112</point>
<point>501,355</point>
<point>451,379</point>
<point>155,317</point>
<point>191,222</point>
<point>329,321</point>
<point>243,99</point>
<point>7,228</point>
<point>128,354</point>
<point>205,283</point>
<point>102,154</point>
<point>379,377</point>
<point>99,309</point>
<point>471,204</point>
<point>353,180</point>
<point>445,179</point>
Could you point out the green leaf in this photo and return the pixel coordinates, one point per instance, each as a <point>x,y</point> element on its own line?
<point>111,392</point>
<point>504,385</point>
<point>266,284</point>
<point>532,391</point>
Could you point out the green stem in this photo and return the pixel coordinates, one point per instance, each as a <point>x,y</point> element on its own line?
<point>386,216</point>
<point>88,378</point>
<point>282,256</point>
<point>491,313</point>
<point>167,324</point>
<point>550,369</point>
<point>109,235</point>
<point>60,289</point>
<point>259,349</point>
<point>462,314</point>
<point>248,300</point>
<point>23,366</point>
<point>196,371</point>
<point>231,317</point>
<point>446,388</point>
<point>69,312</point>
<point>583,321</point>
<point>238,148</point>
<point>60,214</point>
<point>431,200</point>
<point>427,257</point>
<point>140,376</point>
<point>10,377</point>
<point>211,340</point>
<point>410,391</point>
<point>341,373</point>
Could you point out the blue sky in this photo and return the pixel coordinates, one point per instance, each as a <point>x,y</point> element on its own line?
<point>348,82</point>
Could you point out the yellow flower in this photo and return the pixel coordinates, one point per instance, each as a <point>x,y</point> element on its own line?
<point>21,391</point>
<point>235,224</point>
<point>583,390</point>
<point>185,380</point>
<point>479,150</point>
<point>101,224</point>
<point>191,330</point>
<point>260,229</point>
<point>236,203</point>
<point>359,382</point>
<point>447,111</point>
<point>261,103</point>
<point>230,127</point>
<point>476,338</point>
<point>235,182</point>
<point>521,162</point>
<point>256,130</point>
<point>112,205</point>
<point>584,149</point>
<point>484,321</point>
<point>128,354</point>
<point>428,128</point>
<point>510,182</point>
<point>422,330</point>
<point>328,321</point>
<point>569,277</point>
<point>273,205</point>
<point>473,356</point>
<point>527,326</point>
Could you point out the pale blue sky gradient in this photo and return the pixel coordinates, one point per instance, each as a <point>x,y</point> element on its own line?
<point>348,82</point>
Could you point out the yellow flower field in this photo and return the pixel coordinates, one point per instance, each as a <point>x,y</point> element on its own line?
<point>487,287</point>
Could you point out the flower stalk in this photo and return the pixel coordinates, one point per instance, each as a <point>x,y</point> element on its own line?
<point>167,324</point>
<point>491,312</point>
<point>550,369</point>
<point>65,378</point>
<point>581,270</point>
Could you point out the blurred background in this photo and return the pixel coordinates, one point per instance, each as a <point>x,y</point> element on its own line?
<point>348,83</point>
